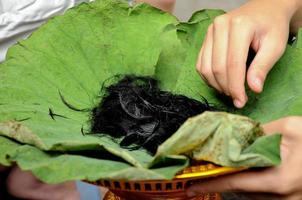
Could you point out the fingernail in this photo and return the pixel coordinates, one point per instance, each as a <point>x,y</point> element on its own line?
<point>191,193</point>
<point>238,103</point>
<point>258,83</point>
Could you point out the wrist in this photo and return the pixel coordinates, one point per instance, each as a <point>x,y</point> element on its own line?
<point>290,6</point>
<point>281,9</point>
<point>292,11</point>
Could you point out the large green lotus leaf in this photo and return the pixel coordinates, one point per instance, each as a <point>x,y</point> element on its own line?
<point>73,55</point>
<point>170,60</point>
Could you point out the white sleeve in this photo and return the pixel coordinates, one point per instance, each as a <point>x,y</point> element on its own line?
<point>18,18</point>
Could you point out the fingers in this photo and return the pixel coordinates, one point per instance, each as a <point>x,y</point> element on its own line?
<point>24,185</point>
<point>240,39</point>
<point>220,51</point>
<point>246,181</point>
<point>263,196</point>
<point>273,127</point>
<point>2,168</point>
<point>287,126</point>
<point>222,60</point>
<point>268,54</point>
<point>204,64</point>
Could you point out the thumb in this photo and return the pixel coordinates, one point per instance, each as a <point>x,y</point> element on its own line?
<point>268,54</point>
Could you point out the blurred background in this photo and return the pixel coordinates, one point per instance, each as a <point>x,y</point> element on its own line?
<point>184,8</point>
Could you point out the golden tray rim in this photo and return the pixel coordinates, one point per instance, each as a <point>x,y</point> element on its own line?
<point>190,173</point>
<point>177,185</point>
<point>205,171</point>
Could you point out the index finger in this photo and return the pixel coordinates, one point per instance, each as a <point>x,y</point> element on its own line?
<point>239,42</point>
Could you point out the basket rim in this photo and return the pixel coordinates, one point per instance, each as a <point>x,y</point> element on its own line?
<point>210,171</point>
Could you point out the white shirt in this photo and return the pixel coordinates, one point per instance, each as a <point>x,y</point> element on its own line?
<point>19,18</point>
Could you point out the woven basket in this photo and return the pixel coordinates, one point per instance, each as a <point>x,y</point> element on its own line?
<point>174,189</point>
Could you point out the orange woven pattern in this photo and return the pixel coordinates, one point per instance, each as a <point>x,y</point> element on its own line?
<point>111,196</point>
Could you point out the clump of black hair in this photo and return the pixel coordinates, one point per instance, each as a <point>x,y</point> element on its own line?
<point>137,111</point>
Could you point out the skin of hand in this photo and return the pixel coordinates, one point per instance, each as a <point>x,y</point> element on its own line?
<point>280,182</point>
<point>166,5</point>
<point>24,185</point>
<point>296,22</point>
<point>262,25</point>
<point>2,168</point>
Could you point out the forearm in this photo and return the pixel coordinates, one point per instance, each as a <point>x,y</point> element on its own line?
<point>166,5</point>
<point>293,10</point>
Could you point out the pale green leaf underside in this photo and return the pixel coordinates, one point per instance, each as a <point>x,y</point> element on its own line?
<point>225,139</point>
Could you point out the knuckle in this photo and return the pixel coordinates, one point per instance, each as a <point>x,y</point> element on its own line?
<point>238,20</point>
<point>220,20</point>
<point>233,90</point>
<point>233,62</point>
<point>197,67</point>
<point>204,71</point>
<point>210,28</point>
<point>261,71</point>
<point>289,124</point>
<point>217,71</point>
<point>279,49</point>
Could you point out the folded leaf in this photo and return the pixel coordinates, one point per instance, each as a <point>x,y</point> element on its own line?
<point>56,167</point>
<point>225,139</point>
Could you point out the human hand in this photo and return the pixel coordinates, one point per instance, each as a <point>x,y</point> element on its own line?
<point>24,185</point>
<point>283,182</point>
<point>262,25</point>
<point>2,168</point>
